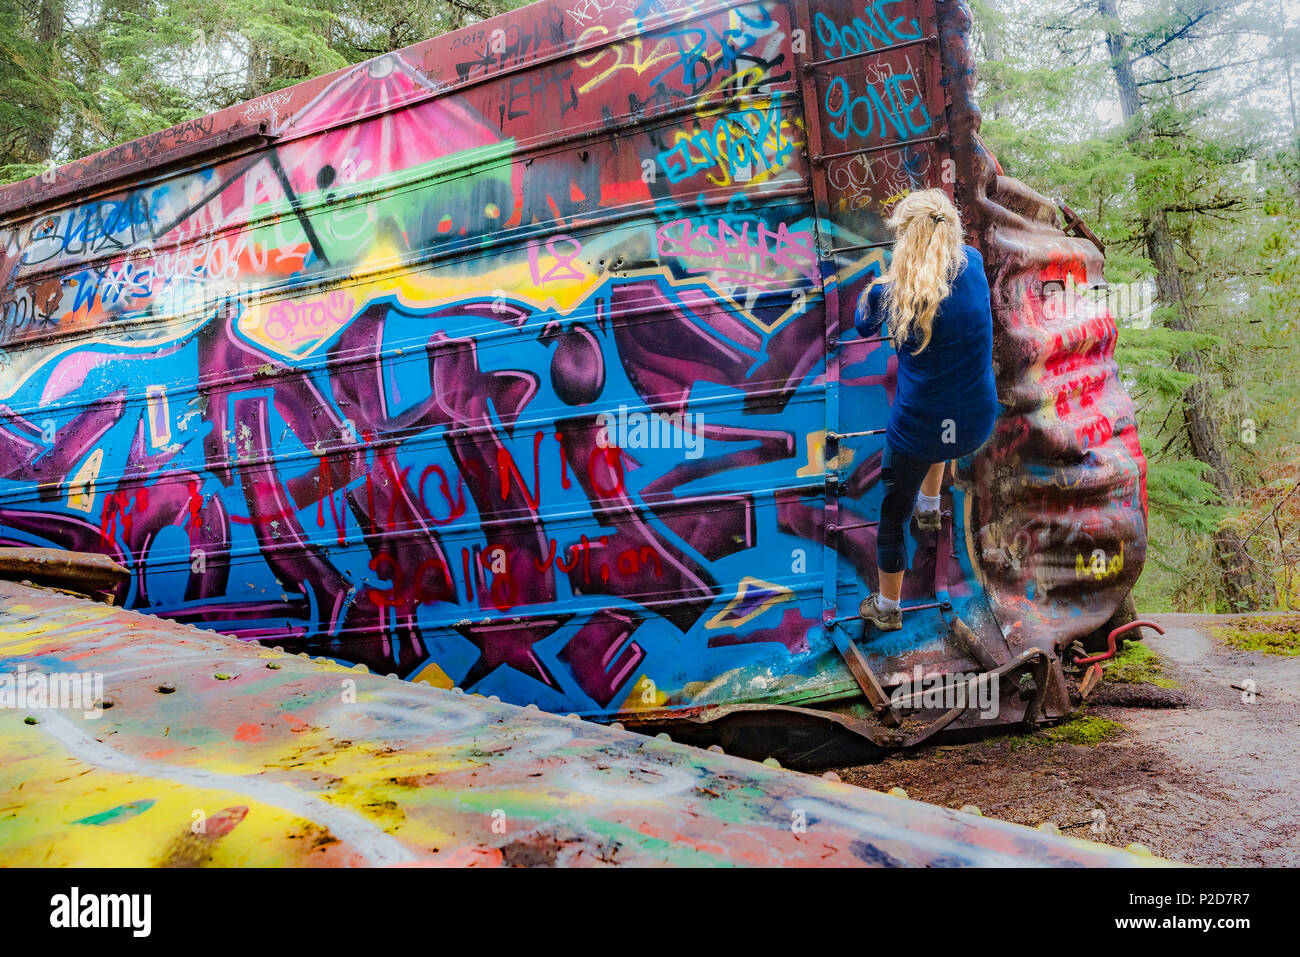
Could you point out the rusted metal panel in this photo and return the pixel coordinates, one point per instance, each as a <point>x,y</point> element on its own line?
<point>520,360</point>
<point>221,752</point>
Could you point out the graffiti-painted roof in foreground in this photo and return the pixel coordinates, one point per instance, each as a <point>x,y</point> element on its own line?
<point>213,751</point>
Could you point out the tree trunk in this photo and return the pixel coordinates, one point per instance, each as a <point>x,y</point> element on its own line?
<point>1206,442</point>
<point>1287,47</point>
<point>254,79</point>
<point>995,97</point>
<point>49,29</point>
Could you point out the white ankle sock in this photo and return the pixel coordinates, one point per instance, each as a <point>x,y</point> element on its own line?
<point>886,604</point>
<point>927,503</point>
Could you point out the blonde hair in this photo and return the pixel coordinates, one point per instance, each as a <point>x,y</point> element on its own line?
<point>927,258</point>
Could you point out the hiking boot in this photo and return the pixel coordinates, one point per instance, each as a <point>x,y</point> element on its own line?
<point>873,614</point>
<point>929,521</point>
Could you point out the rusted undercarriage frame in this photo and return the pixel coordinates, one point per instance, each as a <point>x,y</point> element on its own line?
<point>703,725</point>
<point>1039,660</point>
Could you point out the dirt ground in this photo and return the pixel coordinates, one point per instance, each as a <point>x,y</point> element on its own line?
<point>1215,781</point>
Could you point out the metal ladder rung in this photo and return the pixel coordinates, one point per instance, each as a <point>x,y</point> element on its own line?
<point>836,529</point>
<point>836,436</point>
<point>944,605</point>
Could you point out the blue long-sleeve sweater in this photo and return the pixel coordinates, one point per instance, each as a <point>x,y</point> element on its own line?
<point>946,403</point>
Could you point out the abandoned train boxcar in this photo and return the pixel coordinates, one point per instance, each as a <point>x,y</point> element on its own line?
<point>522,360</point>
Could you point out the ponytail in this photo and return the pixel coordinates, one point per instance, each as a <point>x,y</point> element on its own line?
<point>926,260</point>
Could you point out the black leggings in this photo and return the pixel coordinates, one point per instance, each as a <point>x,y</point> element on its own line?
<point>902,476</point>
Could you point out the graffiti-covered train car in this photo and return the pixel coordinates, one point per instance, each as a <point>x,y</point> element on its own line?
<point>522,360</point>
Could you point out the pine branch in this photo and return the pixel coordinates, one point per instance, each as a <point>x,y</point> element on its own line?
<point>1207,70</point>
<point>1177,35</point>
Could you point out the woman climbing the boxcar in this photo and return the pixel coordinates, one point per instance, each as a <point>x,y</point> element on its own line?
<point>934,297</point>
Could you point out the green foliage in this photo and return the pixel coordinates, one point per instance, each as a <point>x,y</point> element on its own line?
<point>1137,664</point>
<point>1275,635</point>
<point>1176,488</point>
<point>15,171</point>
<point>1146,357</point>
<point>101,72</point>
<point>1084,729</point>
